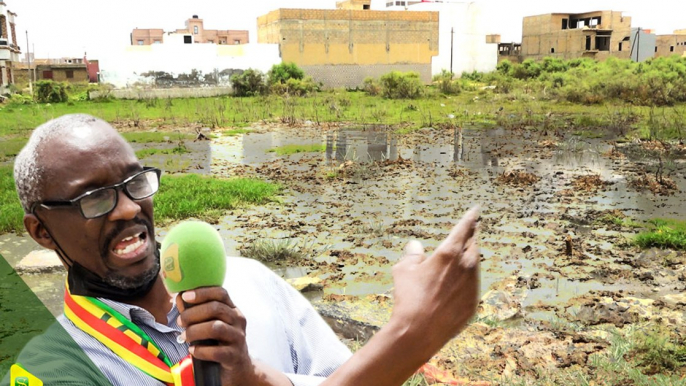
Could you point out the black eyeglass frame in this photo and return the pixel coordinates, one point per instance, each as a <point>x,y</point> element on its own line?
<point>122,185</point>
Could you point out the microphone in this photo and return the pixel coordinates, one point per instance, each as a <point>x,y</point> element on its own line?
<point>192,256</point>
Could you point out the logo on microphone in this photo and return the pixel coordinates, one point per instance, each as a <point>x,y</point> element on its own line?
<point>170,263</point>
<point>21,377</point>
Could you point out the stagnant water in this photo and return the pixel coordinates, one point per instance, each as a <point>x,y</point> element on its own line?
<point>339,200</point>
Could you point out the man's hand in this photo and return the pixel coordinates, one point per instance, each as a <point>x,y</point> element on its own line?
<point>212,315</point>
<point>436,296</point>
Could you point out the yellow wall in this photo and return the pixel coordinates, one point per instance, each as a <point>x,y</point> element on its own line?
<point>364,37</point>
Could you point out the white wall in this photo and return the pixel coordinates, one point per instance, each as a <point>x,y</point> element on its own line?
<point>124,68</point>
<point>470,50</point>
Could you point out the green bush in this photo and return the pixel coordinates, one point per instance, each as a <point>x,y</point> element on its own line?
<point>399,85</point>
<point>371,86</point>
<point>281,73</point>
<point>250,83</point>
<point>20,99</point>
<point>446,84</point>
<point>295,86</point>
<point>48,91</point>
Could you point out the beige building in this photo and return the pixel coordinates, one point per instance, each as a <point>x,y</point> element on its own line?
<point>674,44</point>
<point>194,33</point>
<point>342,47</point>
<point>596,35</point>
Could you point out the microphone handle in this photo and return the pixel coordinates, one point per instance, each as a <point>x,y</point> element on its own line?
<point>205,373</point>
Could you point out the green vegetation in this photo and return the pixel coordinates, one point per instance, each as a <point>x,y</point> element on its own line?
<point>280,250</point>
<point>235,132</point>
<point>663,233</point>
<point>282,79</point>
<point>11,147</point>
<point>11,212</point>
<point>641,356</point>
<point>206,198</point>
<point>155,136</point>
<point>48,91</point>
<point>249,83</point>
<point>292,149</point>
<point>149,152</point>
<point>399,85</point>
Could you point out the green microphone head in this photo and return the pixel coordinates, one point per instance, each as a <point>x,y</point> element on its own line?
<point>192,256</point>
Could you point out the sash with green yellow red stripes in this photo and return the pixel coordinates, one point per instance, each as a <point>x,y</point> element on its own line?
<point>126,339</point>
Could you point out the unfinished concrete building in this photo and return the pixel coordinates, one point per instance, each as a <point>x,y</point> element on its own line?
<point>194,33</point>
<point>9,47</point>
<point>596,35</point>
<point>341,47</point>
<point>674,44</point>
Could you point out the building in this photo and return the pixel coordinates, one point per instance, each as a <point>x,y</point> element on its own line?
<point>359,5</point>
<point>72,70</point>
<point>596,35</point>
<point>674,44</point>
<point>194,33</point>
<point>510,51</point>
<point>9,48</point>
<point>464,45</point>
<point>341,47</point>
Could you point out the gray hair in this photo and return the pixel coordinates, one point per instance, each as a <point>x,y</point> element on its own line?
<point>29,168</point>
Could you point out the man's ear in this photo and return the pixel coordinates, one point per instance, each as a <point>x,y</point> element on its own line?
<point>38,232</point>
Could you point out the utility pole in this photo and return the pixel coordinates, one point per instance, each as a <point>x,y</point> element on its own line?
<point>28,57</point>
<point>452,39</point>
<point>638,43</point>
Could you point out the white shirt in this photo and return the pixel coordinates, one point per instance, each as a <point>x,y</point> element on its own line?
<point>283,331</point>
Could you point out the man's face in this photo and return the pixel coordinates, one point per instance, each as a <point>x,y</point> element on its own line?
<point>119,246</point>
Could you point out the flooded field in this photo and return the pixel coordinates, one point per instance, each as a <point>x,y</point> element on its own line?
<point>557,263</point>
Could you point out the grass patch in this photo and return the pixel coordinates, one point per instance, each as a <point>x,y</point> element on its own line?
<point>292,149</point>
<point>588,134</point>
<point>155,136</point>
<point>206,198</point>
<point>279,250</point>
<point>11,147</point>
<point>11,212</point>
<point>663,233</point>
<point>150,152</point>
<point>235,132</point>
<point>641,356</point>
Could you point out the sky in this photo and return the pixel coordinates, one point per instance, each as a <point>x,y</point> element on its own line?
<point>68,28</point>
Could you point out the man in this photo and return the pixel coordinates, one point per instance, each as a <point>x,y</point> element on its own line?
<point>87,197</point>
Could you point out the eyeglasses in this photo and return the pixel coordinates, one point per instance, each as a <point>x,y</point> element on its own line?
<point>102,201</point>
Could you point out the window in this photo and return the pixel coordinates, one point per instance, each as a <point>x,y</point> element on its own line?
<point>671,48</point>
<point>141,42</point>
<point>365,6</point>
<point>47,74</point>
<point>655,48</point>
<point>620,46</point>
<point>69,74</point>
<point>236,41</point>
<point>552,50</point>
<point>157,42</point>
<point>565,23</point>
<point>195,29</point>
<point>187,39</point>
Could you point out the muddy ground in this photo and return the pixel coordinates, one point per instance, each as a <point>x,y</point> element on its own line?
<point>557,272</point>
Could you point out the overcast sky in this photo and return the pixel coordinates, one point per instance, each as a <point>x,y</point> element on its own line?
<point>101,28</point>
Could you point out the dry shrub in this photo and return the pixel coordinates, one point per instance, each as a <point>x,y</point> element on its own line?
<point>518,178</point>
<point>589,183</point>
<point>665,186</point>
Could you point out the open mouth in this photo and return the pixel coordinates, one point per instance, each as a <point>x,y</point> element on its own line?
<point>131,246</point>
